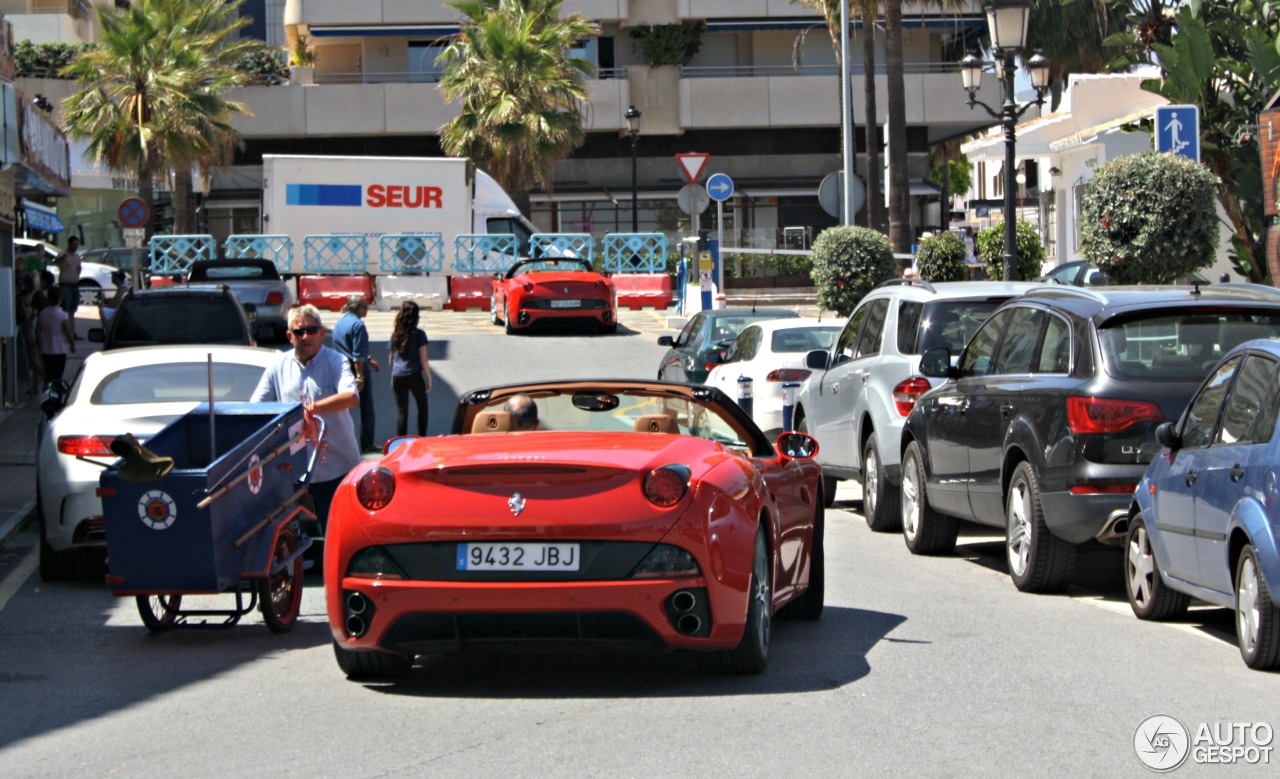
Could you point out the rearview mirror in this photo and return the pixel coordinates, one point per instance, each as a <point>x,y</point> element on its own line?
<point>797,446</point>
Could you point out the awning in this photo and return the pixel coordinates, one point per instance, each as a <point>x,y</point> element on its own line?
<point>382,30</point>
<point>922,188</point>
<point>42,218</point>
<point>1090,134</point>
<point>947,22</point>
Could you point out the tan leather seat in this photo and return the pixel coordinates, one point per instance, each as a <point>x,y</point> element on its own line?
<point>656,423</point>
<point>491,422</point>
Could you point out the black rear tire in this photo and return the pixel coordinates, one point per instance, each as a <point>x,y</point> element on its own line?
<point>751,655</point>
<point>1149,597</point>
<point>371,665</point>
<point>159,612</point>
<point>926,530</point>
<point>879,498</point>
<point>1257,617</point>
<point>280,595</point>
<point>1038,560</point>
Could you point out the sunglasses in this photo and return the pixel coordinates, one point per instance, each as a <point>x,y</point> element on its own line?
<point>298,332</point>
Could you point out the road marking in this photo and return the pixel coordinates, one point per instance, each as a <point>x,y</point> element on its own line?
<point>17,577</point>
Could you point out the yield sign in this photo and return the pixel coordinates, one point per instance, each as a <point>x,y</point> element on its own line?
<point>693,163</point>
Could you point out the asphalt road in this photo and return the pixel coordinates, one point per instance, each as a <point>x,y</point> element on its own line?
<point>919,666</point>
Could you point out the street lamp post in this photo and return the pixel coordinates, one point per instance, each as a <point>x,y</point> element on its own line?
<point>633,123</point>
<point>1007,22</point>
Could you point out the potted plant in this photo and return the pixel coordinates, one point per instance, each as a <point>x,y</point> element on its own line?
<point>302,62</point>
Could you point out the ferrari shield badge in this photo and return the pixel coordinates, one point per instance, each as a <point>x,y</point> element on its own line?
<point>157,510</point>
<point>516,504</point>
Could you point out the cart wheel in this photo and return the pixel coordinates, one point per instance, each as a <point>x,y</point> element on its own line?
<point>159,612</point>
<point>280,594</point>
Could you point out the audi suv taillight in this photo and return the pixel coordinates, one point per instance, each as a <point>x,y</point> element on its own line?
<point>1107,415</point>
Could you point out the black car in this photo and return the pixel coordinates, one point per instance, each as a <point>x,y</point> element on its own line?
<point>705,338</point>
<point>176,315</point>
<point>1049,421</point>
<point>1083,274</point>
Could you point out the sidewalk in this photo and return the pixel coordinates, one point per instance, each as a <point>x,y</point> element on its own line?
<point>18,438</point>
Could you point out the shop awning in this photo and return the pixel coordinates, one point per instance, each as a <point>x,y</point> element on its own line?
<point>42,218</point>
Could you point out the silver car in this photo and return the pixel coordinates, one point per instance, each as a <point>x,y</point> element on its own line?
<point>266,296</point>
<point>138,391</point>
<point>857,398</point>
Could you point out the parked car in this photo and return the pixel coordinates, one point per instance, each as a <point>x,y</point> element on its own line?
<point>95,277</point>
<point>122,258</point>
<point>136,391</point>
<point>865,384</point>
<point>771,353</point>
<point>637,513</point>
<point>257,284</point>
<point>559,290</point>
<point>1084,274</point>
<point>1049,421</point>
<point>1206,515</point>
<point>705,339</point>
<point>176,315</point>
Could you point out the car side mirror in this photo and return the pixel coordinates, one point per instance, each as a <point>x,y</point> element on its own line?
<point>715,358</point>
<point>665,340</point>
<point>96,335</point>
<point>936,363</point>
<point>1167,436</point>
<point>816,360</point>
<point>797,446</point>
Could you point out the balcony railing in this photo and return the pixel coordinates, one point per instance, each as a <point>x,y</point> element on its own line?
<point>76,8</point>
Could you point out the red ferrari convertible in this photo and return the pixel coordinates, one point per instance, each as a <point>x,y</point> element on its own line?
<point>560,515</point>
<point>561,290</point>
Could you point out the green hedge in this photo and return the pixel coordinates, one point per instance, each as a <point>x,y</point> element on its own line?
<point>989,246</point>
<point>941,258</point>
<point>848,262</point>
<point>751,266</point>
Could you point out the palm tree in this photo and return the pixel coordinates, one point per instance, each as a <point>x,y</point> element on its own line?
<point>152,93</point>
<point>520,90</point>
<point>1074,38</point>
<point>899,184</point>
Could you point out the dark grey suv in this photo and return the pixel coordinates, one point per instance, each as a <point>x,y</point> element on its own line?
<point>176,315</point>
<point>1048,422</point>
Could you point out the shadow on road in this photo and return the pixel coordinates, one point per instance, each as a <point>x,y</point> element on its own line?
<point>804,657</point>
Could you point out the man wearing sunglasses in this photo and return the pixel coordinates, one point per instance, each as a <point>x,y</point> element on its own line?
<point>321,380</point>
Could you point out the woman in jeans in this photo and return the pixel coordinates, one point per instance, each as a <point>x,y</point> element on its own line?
<point>410,373</point>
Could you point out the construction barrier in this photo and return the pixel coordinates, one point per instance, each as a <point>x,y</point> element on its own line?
<point>331,292</point>
<point>470,292</point>
<point>429,292</point>
<point>639,290</point>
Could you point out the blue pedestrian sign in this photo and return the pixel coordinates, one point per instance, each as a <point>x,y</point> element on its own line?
<point>1178,130</point>
<point>719,187</point>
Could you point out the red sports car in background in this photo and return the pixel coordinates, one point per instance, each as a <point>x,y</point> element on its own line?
<point>559,290</point>
<point>629,513</point>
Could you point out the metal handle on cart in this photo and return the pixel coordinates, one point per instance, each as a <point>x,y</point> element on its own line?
<point>305,478</point>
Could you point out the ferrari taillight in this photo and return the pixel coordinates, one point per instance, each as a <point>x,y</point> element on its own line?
<point>907,392</point>
<point>1105,415</point>
<point>275,298</point>
<point>376,488</point>
<point>788,374</point>
<point>86,445</point>
<point>665,486</point>
<point>528,286</point>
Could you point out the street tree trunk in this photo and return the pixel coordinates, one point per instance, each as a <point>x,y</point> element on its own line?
<point>899,184</point>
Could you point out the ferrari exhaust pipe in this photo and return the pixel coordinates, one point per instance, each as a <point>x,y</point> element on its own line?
<point>356,626</point>
<point>359,612</point>
<point>683,601</point>
<point>689,624</point>
<point>356,603</point>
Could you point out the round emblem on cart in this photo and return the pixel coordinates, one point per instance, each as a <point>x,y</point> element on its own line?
<point>255,474</point>
<point>157,510</point>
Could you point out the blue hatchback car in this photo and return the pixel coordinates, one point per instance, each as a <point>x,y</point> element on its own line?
<point>1207,513</point>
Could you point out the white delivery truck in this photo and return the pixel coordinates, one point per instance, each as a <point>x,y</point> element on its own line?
<point>376,196</point>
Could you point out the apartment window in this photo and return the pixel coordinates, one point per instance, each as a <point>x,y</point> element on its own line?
<point>1049,222</point>
<point>424,60</point>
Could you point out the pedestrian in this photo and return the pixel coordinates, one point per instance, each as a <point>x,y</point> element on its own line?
<point>34,260</point>
<point>27,313</point>
<point>410,371</point>
<point>321,379</point>
<point>56,337</point>
<point>69,266</point>
<point>351,339</point>
<point>108,307</point>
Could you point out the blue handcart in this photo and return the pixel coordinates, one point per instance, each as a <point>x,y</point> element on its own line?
<point>225,516</point>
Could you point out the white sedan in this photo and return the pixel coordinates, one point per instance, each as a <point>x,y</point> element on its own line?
<point>772,353</point>
<point>136,391</point>
<point>95,277</point>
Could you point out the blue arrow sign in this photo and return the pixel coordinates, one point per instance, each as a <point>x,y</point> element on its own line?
<point>719,187</point>
<point>1178,130</point>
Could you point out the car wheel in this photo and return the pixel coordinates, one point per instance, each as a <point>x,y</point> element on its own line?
<point>751,655</point>
<point>159,612</point>
<point>809,605</point>
<point>879,497</point>
<point>1149,597</point>
<point>1257,618</point>
<point>371,665</point>
<point>829,483</point>
<point>926,530</point>
<point>1038,560</point>
<point>609,329</point>
<point>280,594</point>
<point>493,310</point>
<point>90,293</point>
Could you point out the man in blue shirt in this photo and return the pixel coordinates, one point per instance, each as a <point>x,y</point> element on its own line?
<point>351,339</point>
<point>320,379</point>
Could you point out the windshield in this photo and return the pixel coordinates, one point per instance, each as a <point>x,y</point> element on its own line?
<point>177,382</point>
<point>951,323</point>
<point>1180,346</point>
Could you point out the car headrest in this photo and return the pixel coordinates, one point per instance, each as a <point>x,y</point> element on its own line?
<point>656,423</point>
<point>491,422</point>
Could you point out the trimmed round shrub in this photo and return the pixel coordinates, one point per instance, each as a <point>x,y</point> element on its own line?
<point>848,262</point>
<point>1149,218</point>
<point>941,258</point>
<point>989,246</point>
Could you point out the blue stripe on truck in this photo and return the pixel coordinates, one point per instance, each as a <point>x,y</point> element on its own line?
<point>322,194</point>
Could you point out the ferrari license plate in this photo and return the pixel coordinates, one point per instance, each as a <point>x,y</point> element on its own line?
<point>566,304</point>
<point>518,556</point>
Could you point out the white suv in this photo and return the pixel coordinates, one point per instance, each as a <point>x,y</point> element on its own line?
<point>861,389</point>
